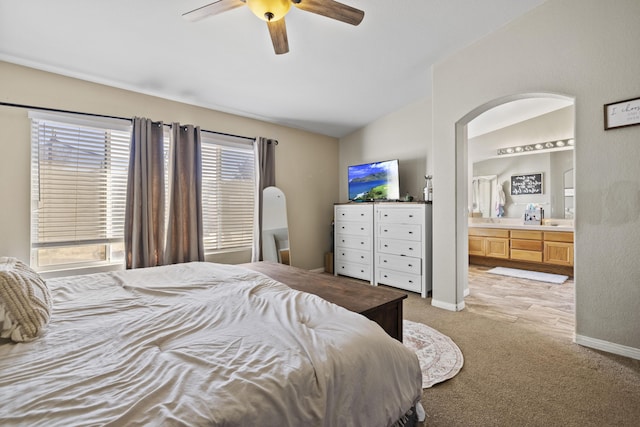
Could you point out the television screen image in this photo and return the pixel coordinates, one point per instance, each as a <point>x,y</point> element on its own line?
<point>374,181</point>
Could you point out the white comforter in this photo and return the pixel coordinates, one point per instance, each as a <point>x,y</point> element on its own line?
<point>203,344</point>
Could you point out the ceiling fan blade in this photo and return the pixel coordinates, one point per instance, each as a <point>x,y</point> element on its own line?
<point>331,9</point>
<point>278,31</point>
<point>212,9</point>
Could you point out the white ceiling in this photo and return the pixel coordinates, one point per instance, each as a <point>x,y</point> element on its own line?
<point>513,112</point>
<point>505,115</point>
<point>335,79</point>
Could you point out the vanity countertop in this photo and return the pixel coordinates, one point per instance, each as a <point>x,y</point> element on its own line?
<point>517,224</point>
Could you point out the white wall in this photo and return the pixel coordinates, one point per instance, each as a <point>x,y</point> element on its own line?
<point>551,164</point>
<point>583,49</point>
<point>552,126</point>
<point>306,163</point>
<point>404,135</point>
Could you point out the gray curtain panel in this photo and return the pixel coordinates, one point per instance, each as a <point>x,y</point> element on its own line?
<point>185,230</point>
<point>144,214</point>
<point>266,153</point>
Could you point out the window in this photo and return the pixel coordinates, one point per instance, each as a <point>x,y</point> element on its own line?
<point>79,183</point>
<point>228,193</point>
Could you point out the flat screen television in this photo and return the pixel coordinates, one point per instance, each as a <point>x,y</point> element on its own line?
<point>374,181</point>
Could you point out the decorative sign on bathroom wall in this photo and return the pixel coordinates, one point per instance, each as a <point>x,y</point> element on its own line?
<point>622,113</point>
<point>530,183</point>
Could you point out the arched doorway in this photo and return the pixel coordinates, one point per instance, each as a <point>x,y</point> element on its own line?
<point>462,180</point>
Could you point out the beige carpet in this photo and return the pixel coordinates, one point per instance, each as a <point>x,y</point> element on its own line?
<point>440,358</point>
<point>515,376</point>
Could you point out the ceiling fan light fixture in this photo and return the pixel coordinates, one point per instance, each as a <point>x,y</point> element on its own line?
<point>269,10</point>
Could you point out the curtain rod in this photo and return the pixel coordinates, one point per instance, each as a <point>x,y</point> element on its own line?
<point>57,110</point>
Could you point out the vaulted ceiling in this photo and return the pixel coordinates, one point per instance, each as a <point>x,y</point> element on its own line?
<point>335,79</point>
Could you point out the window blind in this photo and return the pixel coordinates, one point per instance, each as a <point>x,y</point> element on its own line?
<point>79,184</point>
<point>79,172</point>
<point>228,193</point>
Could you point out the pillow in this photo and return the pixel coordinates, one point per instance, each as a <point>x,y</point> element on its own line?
<point>25,301</point>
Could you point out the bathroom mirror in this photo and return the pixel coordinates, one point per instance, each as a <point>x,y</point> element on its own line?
<point>275,229</point>
<point>568,194</point>
<point>484,195</point>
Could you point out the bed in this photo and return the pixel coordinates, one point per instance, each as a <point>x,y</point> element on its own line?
<point>202,344</point>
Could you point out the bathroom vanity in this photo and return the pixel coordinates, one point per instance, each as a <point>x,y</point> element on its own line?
<point>508,242</point>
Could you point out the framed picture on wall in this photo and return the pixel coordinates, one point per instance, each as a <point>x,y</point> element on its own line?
<point>622,113</point>
<point>529,183</point>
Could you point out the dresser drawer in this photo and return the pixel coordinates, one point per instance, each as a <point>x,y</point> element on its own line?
<point>409,282</point>
<point>526,234</point>
<point>401,215</point>
<point>358,271</point>
<point>353,255</point>
<point>354,242</point>
<point>400,247</point>
<point>558,236</point>
<point>400,231</point>
<point>404,264</point>
<point>522,255</point>
<point>355,228</point>
<point>489,232</point>
<point>362,213</point>
<point>527,245</point>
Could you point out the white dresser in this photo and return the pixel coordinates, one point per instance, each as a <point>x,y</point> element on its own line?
<point>403,246</point>
<point>354,241</point>
<point>395,252</point>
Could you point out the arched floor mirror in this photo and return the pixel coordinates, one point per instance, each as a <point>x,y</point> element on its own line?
<point>275,229</point>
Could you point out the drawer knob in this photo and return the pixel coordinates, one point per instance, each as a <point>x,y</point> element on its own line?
<point>410,216</point>
<point>386,246</point>
<point>410,281</point>
<point>385,276</point>
<point>361,256</point>
<point>411,232</point>
<point>384,260</point>
<point>410,265</point>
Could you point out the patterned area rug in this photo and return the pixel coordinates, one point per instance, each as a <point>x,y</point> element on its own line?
<point>440,358</point>
<point>557,279</point>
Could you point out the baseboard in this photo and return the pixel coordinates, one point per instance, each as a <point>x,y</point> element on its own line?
<point>609,347</point>
<point>466,292</point>
<point>447,306</point>
<point>317,270</point>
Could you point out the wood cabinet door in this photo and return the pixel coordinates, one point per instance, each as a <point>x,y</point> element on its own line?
<point>476,245</point>
<point>496,247</point>
<point>558,253</point>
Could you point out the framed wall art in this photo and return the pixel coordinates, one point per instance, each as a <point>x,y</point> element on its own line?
<point>622,113</point>
<point>530,183</point>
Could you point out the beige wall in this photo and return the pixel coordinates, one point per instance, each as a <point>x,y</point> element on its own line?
<point>578,49</point>
<point>582,49</point>
<point>404,135</point>
<point>306,163</point>
<point>552,126</point>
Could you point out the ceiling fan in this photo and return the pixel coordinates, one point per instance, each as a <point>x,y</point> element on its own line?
<point>273,12</point>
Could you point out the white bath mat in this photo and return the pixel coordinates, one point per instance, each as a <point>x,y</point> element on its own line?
<point>558,279</point>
